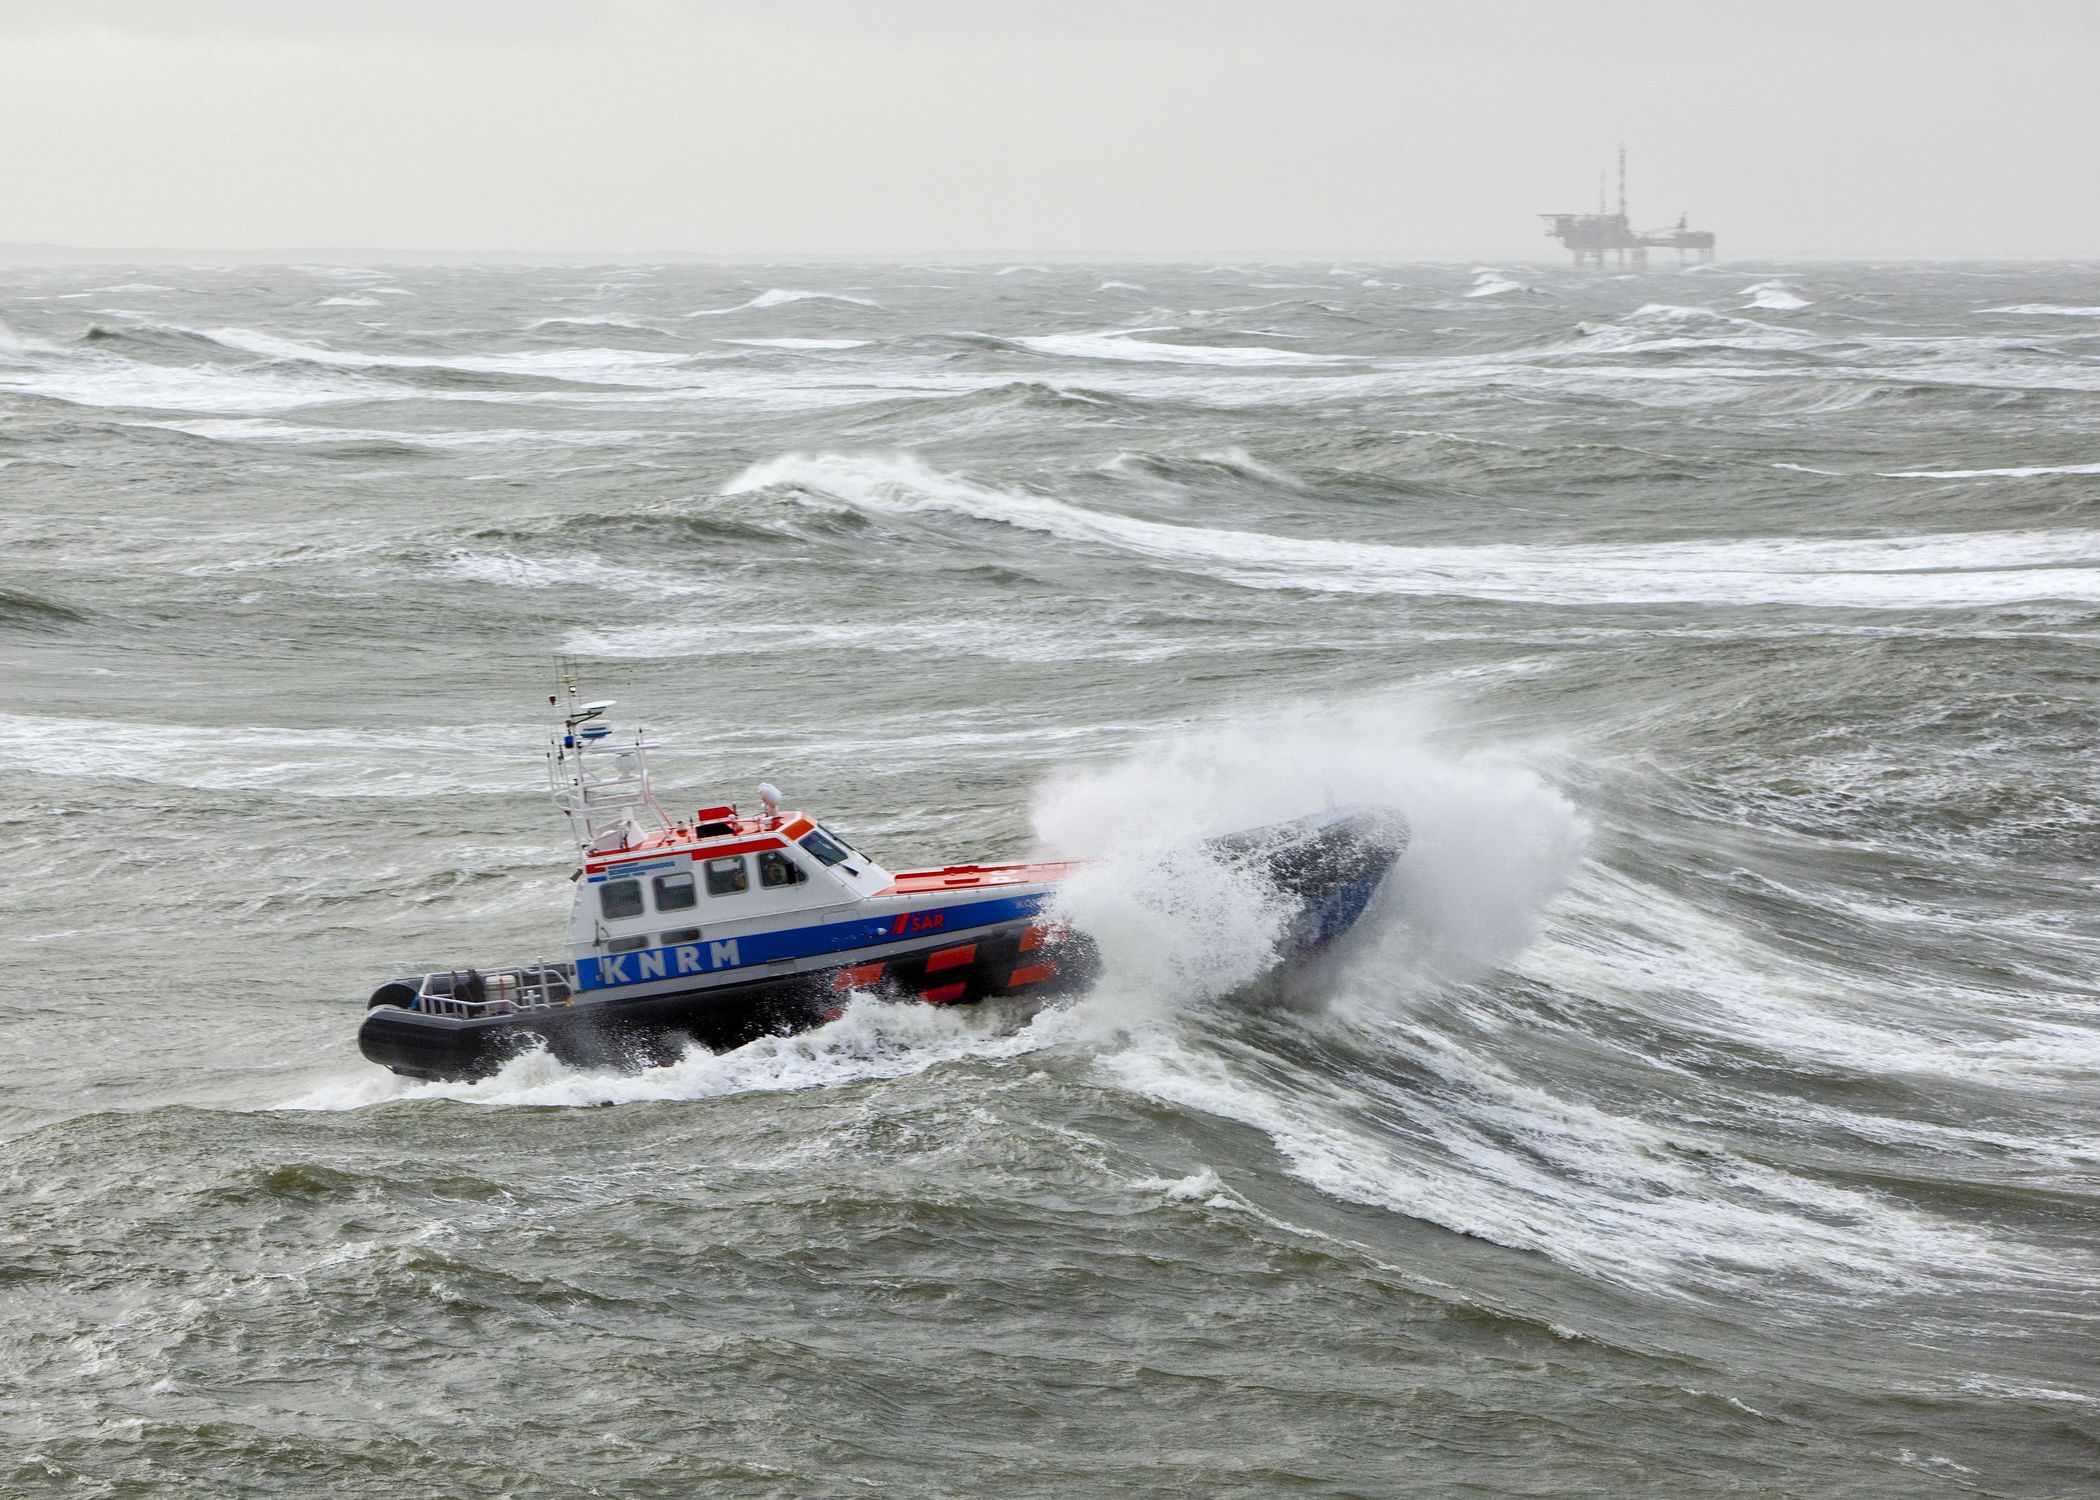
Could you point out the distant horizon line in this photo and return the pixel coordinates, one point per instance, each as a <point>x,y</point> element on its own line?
<point>39,252</point>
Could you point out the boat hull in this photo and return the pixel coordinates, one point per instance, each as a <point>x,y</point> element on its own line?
<point>646,1030</point>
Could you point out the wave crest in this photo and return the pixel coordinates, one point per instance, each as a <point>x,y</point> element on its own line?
<point>1945,571</point>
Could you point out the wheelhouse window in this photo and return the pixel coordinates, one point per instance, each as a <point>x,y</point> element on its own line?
<point>678,935</point>
<point>676,892</point>
<point>776,869</point>
<point>728,876</point>
<point>825,847</point>
<point>620,898</point>
<point>626,944</point>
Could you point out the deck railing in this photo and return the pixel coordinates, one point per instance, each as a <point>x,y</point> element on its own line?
<point>502,992</point>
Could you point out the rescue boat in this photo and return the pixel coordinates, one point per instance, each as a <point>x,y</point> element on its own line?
<point>719,927</point>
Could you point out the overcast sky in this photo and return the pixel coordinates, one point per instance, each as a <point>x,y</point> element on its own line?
<point>1204,128</point>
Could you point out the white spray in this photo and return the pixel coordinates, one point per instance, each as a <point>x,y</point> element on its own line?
<point>1493,843</point>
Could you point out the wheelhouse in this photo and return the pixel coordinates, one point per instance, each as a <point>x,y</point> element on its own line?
<point>682,885</point>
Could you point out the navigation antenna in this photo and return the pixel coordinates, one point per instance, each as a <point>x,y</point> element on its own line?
<point>602,786</point>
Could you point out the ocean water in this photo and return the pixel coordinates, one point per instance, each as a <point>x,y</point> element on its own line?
<point>1708,1109</point>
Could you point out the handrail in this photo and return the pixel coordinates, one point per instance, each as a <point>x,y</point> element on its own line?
<point>504,992</point>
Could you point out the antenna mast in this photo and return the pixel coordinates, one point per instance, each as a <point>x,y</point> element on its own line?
<point>600,784</point>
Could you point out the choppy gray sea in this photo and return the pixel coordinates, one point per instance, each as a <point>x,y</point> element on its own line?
<point>1709,1109</point>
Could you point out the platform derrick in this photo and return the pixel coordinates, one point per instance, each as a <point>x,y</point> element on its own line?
<point>1591,237</point>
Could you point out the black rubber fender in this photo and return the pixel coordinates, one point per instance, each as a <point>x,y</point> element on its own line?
<point>394,992</point>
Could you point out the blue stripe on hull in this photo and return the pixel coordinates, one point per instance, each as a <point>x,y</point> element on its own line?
<point>1340,911</point>
<point>750,949</point>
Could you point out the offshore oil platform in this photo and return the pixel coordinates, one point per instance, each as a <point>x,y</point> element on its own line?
<point>1593,236</point>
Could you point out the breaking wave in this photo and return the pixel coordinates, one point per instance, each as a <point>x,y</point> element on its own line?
<point>587,324</point>
<point>1963,570</point>
<point>469,760</point>
<point>1661,326</point>
<point>1775,296</point>
<point>590,365</point>
<point>799,343</point>
<point>784,297</point>
<point>17,343</point>
<point>1123,344</point>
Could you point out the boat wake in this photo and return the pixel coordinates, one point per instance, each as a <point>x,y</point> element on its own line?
<point>871,1041</point>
